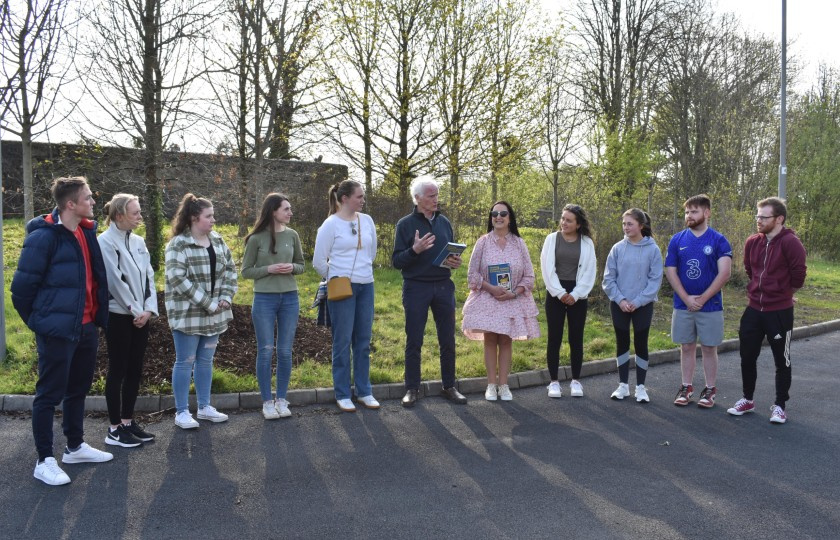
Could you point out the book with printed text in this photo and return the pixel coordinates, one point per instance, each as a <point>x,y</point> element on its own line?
<point>451,248</point>
<point>500,275</point>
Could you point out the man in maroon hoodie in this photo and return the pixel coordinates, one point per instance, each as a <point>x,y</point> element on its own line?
<point>775,263</point>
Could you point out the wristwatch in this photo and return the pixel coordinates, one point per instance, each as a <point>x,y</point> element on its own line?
<point>515,294</point>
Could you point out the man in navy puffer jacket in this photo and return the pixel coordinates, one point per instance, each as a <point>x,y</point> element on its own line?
<point>60,290</point>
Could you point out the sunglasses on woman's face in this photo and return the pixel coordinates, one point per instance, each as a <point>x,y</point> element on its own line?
<point>503,213</point>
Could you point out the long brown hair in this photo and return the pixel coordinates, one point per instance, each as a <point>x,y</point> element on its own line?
<point>265,221</point>
<point>190,207</point>
<point>345,188</point>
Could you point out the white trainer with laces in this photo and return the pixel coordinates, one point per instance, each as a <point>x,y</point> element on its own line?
<point>185,420</point>
<point>504,393</point>
<point>85,454</point>
<point>282,407</point>
<point>576,388</point>
<point>492,392</point>
<point>369,402</point>
<point>621,392</point>
<point>554,390</point>
<point>269,410</point>
<point>641,394</point>
<point>50,473</point>
<point>209,412</point>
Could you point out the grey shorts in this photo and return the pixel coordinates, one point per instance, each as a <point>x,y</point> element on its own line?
<point>689,326</point>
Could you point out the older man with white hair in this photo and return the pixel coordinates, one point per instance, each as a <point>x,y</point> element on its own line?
<point>418,239</point>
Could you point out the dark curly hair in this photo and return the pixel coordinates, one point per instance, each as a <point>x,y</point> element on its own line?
<point>580,217</point>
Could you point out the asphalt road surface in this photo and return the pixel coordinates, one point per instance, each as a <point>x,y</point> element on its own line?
<point>533,468</point>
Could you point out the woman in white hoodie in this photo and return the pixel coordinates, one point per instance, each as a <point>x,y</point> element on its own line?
<point>568,269</point>
<point>133,302</point>
<point>631,280</point>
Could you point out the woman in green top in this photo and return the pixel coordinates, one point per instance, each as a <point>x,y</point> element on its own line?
<point>272,256</point>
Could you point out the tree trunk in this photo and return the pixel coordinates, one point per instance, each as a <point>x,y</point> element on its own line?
<point>28,193</point>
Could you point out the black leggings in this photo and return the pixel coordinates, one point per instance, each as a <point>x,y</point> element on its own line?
<point>126,349</point>
<point>556,313</point>
<point>641,319</point>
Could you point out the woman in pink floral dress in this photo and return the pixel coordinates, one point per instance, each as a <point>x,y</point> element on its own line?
<point>500,307</point>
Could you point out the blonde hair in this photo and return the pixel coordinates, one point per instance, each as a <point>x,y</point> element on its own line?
<point>118,206</point>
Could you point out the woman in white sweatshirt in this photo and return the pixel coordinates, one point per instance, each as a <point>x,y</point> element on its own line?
<point>568,269</point>
<point>133,302</point>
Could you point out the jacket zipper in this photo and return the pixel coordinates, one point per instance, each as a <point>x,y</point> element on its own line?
<point>761,276</point>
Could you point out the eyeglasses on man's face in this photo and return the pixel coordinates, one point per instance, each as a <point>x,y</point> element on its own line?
<point>762,218</point>
<point>503,213</point>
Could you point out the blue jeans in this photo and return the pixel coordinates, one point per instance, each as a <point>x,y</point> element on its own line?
<point>352,325</point>
<point>65,373</point>
<point>418,297</point>
<point>272,310</point>
<point>192,353</point>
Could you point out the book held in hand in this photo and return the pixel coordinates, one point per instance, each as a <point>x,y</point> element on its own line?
<point>500,275</point>
<point>451,248</point>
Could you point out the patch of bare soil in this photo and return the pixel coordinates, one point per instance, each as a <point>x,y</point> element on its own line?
<point>236,352</point>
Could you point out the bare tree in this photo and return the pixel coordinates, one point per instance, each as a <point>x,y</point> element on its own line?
<point>508,131</point>
<point>350,61</point>
<point>560,117</point>
<point>461,89</point>
<point>621,44</point>
<point>32,36</point>
<point>405,80</point>
<point>262,82</point>
<point>140,64</point>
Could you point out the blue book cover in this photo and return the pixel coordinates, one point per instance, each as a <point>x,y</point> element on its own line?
<point>451,248</point>
<point>500,275</point>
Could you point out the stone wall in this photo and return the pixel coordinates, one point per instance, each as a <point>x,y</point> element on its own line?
<point>112,170</point>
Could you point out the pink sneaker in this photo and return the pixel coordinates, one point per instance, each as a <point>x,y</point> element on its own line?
<point>777,415</point>
<point>742,406</point>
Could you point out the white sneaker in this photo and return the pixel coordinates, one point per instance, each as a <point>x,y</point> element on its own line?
<point>50,473</point>
<point>504,393</point>
<point>209,412</point>
<point>554,390</point>
<point>641,394</point>
<point>621,392</point>
<point>85,454</point>
<point>185,420</point>
<point>369,402</point>
<point>282,407</point>
<point>492,393</point>
<point>270,410</point>
<point>576,389</point>
<point>346,405</point>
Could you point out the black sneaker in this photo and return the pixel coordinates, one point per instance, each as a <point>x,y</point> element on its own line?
<point>135,429</point>
<point>122,437</point>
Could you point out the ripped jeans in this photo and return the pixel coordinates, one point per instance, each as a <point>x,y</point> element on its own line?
<point>193,354</point>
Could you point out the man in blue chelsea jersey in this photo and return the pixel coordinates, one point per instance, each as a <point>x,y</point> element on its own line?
<point>698,264</point>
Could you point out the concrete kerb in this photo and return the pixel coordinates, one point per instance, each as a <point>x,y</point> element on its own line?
<point>324,396</point>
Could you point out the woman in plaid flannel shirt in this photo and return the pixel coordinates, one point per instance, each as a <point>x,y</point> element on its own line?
<point>200,285</point>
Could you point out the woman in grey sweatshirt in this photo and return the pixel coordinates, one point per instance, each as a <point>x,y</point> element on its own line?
<point>631,280</point>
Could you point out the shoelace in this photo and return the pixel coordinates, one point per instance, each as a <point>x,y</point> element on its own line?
<point>53,468</point>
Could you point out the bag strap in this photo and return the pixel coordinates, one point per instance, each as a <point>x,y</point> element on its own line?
<point>358,246</point>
